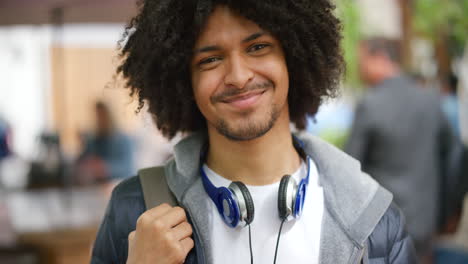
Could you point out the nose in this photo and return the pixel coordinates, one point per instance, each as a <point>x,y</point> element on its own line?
<point>238,72</point>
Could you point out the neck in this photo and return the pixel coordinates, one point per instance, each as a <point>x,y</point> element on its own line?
<point>261,161</point>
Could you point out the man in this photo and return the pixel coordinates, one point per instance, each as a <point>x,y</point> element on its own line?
<point>455,181</point>
<point>400,136</point>
<point>107,154</point>
<point>5,132</point>
<point>238,72</point>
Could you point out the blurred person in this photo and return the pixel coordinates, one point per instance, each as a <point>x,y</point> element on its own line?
<point>401,137</point>
<point>5,149</point>
<point>455,183</point>
<point>13,169</point>
<point>108,153</point>
<point>48,169</point>
<point>450,102</point>
<point>234,74</point>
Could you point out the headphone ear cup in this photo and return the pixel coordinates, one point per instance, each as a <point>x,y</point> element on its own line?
<point>282,197</point>
<point>228,207</point>
<point>249,204</point>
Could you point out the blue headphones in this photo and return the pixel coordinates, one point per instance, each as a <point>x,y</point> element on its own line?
<point>235,204</point>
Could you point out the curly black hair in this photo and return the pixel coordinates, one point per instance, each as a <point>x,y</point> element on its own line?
<point>159,45</point>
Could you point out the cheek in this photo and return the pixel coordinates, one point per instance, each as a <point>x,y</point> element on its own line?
<point>277,71</point>
<point>204,85</point>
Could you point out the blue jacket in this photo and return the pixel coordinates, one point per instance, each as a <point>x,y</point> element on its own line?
<point>360,223</point>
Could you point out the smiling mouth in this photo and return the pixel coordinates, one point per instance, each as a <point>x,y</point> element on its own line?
<point>244,101</point>
<point>242,96</point>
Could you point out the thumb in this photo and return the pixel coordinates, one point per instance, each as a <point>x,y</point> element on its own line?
<point>131,241</point>
<point>131,237</point>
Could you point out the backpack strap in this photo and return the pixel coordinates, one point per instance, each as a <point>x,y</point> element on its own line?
<point>155,188</point>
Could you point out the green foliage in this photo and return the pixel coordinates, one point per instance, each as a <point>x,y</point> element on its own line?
<point>335,136</point>
<point>447,17</point>
<point>348,12</point>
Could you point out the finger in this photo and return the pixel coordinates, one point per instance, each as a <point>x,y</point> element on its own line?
<point>148,217</point>
<point>182,231</point>
<point>131,236</point>
<point>131,240</point>
<point>187,245</point>
<point>175,216</point>
<point>158,211</point>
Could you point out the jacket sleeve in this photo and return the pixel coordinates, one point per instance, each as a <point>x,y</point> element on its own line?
<point>402,249</point>
<point>389,242</point>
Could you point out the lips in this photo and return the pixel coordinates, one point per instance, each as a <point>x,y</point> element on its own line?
<point>244,101</point>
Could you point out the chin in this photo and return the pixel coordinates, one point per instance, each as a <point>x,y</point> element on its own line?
<point>243,135</point>
<point>247,129</point>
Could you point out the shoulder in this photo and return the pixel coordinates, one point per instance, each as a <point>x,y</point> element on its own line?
<point>390,228</point>
<point>370,105</point>
<point>127,204</point>
<point>128,191</point>
<point>390,240</point>
<point>124,208</point>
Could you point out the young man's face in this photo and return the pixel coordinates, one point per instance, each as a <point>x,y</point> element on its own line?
<point>239,77</point>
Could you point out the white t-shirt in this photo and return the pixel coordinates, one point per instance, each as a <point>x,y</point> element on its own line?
<point>300,238</point>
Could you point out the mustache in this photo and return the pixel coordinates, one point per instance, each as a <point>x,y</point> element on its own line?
<point>232,91</point>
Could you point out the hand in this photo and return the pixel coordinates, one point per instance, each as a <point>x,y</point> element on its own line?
<point>162,236</point>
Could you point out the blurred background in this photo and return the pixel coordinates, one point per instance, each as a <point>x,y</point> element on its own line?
<point>69,131</point>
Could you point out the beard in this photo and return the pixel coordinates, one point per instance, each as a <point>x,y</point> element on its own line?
<point>251,126</point>
<point>249,129</point>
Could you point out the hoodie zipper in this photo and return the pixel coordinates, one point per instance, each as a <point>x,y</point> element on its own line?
<point>360,257</point>
<point>196,239</point>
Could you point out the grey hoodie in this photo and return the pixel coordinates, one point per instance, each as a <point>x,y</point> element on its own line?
<point>354,202</point>
<point>359,224</point>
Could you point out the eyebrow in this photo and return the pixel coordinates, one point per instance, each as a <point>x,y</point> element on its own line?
<point>253,36</point>
<point>216,48</point>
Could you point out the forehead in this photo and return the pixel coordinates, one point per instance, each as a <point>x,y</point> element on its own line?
<point>224,24</point>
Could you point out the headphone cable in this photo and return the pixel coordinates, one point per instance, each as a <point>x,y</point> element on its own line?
<point>250,245</point>
<point>277,241</point>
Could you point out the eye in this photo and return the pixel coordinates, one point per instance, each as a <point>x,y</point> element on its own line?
<point>208,60</point>
<point>258,47</point>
